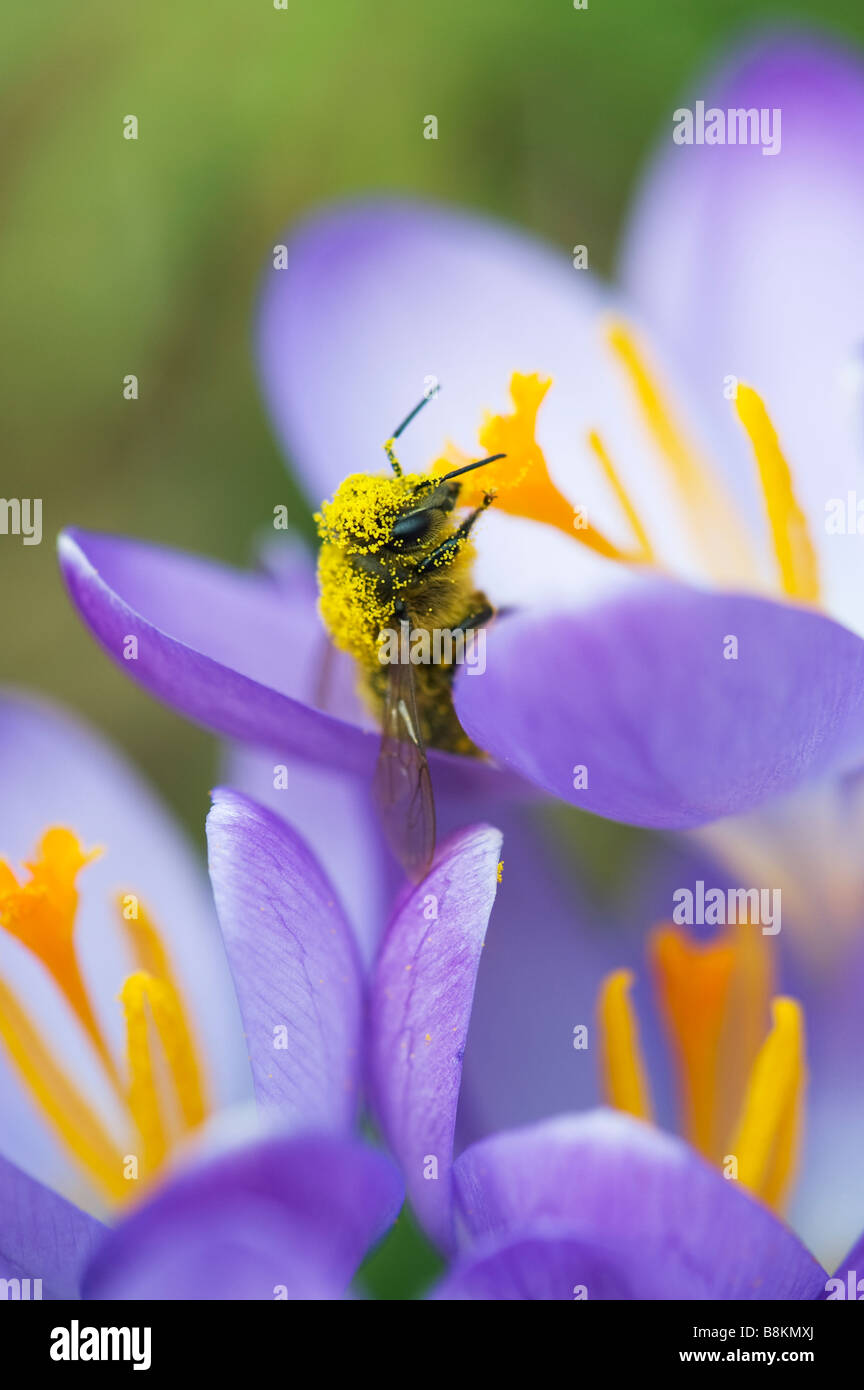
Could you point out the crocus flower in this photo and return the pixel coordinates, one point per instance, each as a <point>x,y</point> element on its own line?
<point>124,1080</point>
<point>597,1205</point>
<point>289,1214</point>
<point>686,641</point>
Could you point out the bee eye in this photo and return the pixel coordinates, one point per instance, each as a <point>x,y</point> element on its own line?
<point>411,527</point>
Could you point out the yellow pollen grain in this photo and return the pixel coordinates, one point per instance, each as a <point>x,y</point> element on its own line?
<point>357,521</point>
<point>793,547</point>
<point>768,1139</point>
<point>622,1066</point>
<point>361,514</point>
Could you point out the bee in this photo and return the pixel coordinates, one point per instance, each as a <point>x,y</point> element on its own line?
<point>395,560</point>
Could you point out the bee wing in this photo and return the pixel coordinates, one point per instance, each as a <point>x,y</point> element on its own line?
<point>403,784</point>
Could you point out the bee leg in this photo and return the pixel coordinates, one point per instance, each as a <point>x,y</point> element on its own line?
<point>479,618</point>
<point>401,614</point>
<point>451,547</point>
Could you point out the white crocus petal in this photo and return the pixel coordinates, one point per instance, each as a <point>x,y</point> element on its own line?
<point>750,266</point>
<point>529,564</point>
<point>58,772</point>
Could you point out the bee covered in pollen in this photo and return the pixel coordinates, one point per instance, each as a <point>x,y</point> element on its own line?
<point>395,560</point>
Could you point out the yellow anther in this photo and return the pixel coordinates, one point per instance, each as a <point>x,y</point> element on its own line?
<point>145,1103</point>
<point>769,1133</point>
<point>56,1096</point>
<point>152,958</point>
<point>623,1075</point>
<point>165,1093</point>
<point>716,525</point>
<point>713,1001</point>
<point>644,550</point>
<point>796,557</point>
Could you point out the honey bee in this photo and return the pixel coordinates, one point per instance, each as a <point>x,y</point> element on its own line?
<point>394,559</point>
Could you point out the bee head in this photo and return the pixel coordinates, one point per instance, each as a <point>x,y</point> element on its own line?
<point>371,513</point>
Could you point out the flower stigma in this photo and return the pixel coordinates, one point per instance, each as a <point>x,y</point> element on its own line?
<point>738,1053</point>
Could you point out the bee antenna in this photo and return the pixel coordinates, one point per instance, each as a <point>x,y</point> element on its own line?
<point>427,396</point>
<point>469,467</point>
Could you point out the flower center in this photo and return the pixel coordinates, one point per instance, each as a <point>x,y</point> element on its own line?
<point>738,1054</point>
<point>160,1088</point>
<point>522,484</point>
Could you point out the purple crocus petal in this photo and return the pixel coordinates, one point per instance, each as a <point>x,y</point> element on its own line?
<point>283,1218</point>
<point>227,650</point>
<point>462,298</point>
<point>420,1006</point>
<point>58,771</point>
<point>750,265</point>
<point>638,691</point>
<point>547,952</point>
<point>294,964</point>
<point>42,1236</point>
<point>552,1264</point>
<point>621,1185</point>
<point>222,647</point>
<point>336,817</point>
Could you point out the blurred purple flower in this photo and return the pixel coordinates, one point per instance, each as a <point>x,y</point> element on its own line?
<point>222,1206</point>
<point>598,1202</point>
<point>287,1206</point>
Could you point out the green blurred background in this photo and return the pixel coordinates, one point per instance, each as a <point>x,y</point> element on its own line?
<point>143,257</point>
<point>119,256</point>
